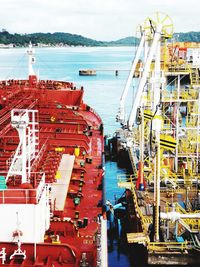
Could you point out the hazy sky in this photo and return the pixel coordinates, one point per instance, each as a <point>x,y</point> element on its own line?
<point>98,19</point>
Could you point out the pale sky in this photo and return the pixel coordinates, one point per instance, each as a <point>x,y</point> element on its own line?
<point>97,19</point>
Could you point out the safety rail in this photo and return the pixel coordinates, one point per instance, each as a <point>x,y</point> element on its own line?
<point>192,121</point>
<point>17,83</point>
<point>40,154</point>
<point>148,219</point>
<point>174,67</point>
<point>42,84</point>
<point>66,127</point>
<point>167,246</point>
<point>5,119</point>
<point>24,195</point>
<point>179,208</point>
<point>179,190</point>
<point>184,94</point>
<point>66,117</point>
<point>194,76</point>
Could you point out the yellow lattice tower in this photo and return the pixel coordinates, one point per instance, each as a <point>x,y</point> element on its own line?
<point>152,21</point>
<point>149,27</point>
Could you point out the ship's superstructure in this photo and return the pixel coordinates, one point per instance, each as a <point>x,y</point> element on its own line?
<point>161,137</point>
<point>51,175</point>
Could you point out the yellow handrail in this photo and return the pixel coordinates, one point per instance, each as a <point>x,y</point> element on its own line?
<point>163,246</point>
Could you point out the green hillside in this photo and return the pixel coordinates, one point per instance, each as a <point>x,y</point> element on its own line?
<point>187,36</point>
<point>125,41</point>
<point>61,38</point>
<point>47,38</point>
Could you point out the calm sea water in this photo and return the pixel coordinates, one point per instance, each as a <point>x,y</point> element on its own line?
<point>102,92</point>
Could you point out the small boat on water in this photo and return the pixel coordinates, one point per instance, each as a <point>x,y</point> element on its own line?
<point>51,175</point>
<point>88,72</point>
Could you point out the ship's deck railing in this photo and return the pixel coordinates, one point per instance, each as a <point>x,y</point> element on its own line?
<point>23,195</point>
<point>170,246</point>
<point>42,84</point>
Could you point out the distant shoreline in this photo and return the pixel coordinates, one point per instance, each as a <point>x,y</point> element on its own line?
<point>58,39</point>
<point>65,46</point>
<point>61,39</point>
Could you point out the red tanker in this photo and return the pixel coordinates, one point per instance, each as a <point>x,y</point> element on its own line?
<point>51,172</point>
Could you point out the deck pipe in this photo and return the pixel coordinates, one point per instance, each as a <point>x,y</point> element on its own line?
<point>174,216</point>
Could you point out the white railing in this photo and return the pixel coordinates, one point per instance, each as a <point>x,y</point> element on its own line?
<point>102,250</point>
<point>40,188</point>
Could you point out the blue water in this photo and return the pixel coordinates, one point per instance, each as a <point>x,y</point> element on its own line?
<point>102,92</point>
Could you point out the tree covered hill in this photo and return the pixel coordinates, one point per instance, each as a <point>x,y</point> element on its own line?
<point>187,36</point>
<point>46,38</point>
<point>125,41</point>
<point>60,38</point>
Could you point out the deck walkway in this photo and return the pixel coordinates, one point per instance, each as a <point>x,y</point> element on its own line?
<point>60,188</point>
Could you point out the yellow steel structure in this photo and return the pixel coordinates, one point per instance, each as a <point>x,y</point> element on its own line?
<point>152,21</point>
<point>192,224</point>
<point>170,246</point>
<point>175,158</point>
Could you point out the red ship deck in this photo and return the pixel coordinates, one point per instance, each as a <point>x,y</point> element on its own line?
<point>75,181</point>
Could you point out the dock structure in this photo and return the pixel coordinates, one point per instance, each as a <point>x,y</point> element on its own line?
<point>161,138</point>
<point>93,72</point>
<point>87,72</point>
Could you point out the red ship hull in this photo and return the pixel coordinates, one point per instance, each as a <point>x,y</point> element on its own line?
<point>69,131</point>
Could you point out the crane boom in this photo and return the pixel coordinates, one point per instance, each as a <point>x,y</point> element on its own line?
<point>138,95</point>
<point>121,115</point>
